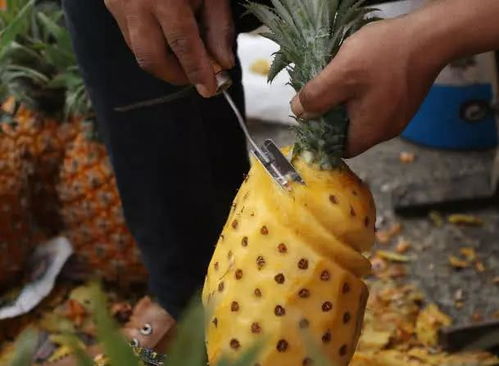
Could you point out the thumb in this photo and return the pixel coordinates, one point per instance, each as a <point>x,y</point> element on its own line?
<point>327,90</point>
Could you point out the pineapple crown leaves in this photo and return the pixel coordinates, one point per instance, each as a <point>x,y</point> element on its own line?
<point>37,63</point>
<point>310,33</point>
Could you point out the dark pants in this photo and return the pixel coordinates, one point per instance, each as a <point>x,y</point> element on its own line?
<point>178,165</point>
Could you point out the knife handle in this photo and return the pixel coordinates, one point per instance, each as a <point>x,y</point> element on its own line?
<point>224,81</point>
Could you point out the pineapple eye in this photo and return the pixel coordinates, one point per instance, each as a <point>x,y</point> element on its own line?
<point>146,329</point>
<point>134,342</point>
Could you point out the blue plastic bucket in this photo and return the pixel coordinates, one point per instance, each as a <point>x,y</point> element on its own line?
<point>458,112</point>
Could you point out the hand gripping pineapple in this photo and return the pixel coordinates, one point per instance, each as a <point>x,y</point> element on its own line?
<point>289,263</point>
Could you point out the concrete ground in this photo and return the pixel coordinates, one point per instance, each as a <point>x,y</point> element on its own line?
<point>475,290</point>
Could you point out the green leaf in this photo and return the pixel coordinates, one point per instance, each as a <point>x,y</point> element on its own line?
<point>25,348</point>
<point>14,27</point>
<point>280,62</point>
<point>113,343</point>
<point>188,348</point>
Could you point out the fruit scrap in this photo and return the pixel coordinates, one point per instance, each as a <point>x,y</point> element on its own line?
<point>403,246</point>
<point>458,263</point>
<point>436,218</point>
<point>386,235</point>
<point>469,253</point>
<point>260,67</point>
<point>429,323</point>
<point>465,220</point>
<point>407,157</point>
<point>480,267</point>
<point>392,256</point>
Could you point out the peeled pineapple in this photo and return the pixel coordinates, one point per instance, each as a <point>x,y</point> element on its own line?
<point>288,265</point>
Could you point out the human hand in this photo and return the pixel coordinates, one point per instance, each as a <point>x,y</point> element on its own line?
<point>381,74</point>
<point>172,39</point>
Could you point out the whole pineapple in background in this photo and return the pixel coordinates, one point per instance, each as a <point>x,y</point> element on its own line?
<point>72,187</point>
<point>289,263</point>
<point>92,213</point>
<point>15,216</point>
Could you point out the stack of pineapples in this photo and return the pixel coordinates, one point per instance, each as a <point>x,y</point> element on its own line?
<point>55,176</point>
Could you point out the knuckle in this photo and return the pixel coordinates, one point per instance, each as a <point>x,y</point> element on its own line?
<point>180,43</point>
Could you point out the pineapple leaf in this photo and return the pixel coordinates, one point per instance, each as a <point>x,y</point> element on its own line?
<point>114,344</point>
<point>280,63</point>
<point>25,348</point>
<point>188,348</point>
<point>14,27</point>
<point>310,33</point>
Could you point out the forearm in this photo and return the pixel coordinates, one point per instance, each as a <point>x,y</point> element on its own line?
<point>452,29</point>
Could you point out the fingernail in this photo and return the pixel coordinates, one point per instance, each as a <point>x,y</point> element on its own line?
<point>203,90</point>
<point>296,107</point>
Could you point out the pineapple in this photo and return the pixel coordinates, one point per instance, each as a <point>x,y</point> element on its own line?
<point>92,214</point>
<point>72,189</point>
<point>289,264</point>
<point>15,218</point>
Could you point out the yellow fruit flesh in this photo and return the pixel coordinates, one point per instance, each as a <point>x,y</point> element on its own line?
<point>288,264</point>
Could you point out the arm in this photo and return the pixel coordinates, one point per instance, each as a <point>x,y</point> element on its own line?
<point>383,72</point>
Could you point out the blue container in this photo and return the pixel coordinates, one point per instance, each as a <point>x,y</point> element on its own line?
<point>458,113</point>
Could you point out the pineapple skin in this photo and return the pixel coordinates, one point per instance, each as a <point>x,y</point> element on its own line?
<point>15,217</point>
<point>66,186</point>
<point>92,214</point>
<point>288,266</point>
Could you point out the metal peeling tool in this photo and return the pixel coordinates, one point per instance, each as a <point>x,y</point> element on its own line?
<point>272,159</point>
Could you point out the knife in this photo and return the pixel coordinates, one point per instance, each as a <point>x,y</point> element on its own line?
<point>269,155</point>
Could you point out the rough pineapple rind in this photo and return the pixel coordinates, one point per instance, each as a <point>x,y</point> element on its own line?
<point>288,263</point>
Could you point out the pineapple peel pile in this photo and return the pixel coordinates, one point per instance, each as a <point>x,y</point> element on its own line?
<point>289,263</point>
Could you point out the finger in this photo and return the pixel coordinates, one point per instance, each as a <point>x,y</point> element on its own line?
<point>115,7</point>
<point>180,29</point>
<point>219,32</point>
<point>329,89</point>
<point>368,128</point>
<point>150,47</point>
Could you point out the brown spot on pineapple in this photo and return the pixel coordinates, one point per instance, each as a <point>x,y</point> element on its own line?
<point>234,306</point>
<point>303,264</point>
<point>222,237</point>
<point>238,274</point>
<point>264,230</point>
<point>343,350</point>
<point>229,254</point>
<point>346,288</point>
<point>279,311</point>
<point>279,278</point>
<point>354,192</point>
<point>282,248</point>
<point>234,344</point>
<point>367,221</point>
<point>307,361</point>
<point>215,266</point>
<point>282,345</point>
<point>352,212</point>
<point>256,328</point>
<point>221,286</point>
<point>244,242</point>
<point>333,199</point>
<point>260,262</point>
<point>326,337</point>
<point>327,306</point>
<point>304,323</point>
<point>235,223</point>
<point>346,317</point>
<point>258,292</point>
<point>304,293</point>
<point>215,322</point>
<point>325,276</point>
